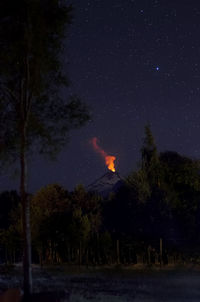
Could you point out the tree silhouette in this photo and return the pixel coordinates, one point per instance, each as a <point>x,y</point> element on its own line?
<point>33,113</point>
<point>150,159</point>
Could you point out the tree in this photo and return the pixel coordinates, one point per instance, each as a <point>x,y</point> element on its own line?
<point>144,203</point>
<point>138,182</point>
<point>49,211</point>
<point>86,222</point>
<point>150,159</point>
<point>89,202</point>
<point>33,112</point>
<point>64,222</point>
<point>181,182</point>
<point>9,202</point>
<point>10,230</point>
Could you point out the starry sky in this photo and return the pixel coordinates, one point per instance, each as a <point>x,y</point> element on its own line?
<point>133,62</point>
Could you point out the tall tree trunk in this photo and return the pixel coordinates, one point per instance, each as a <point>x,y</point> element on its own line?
<point>25,219</point>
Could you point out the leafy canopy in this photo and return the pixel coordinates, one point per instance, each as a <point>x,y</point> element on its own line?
<point>32,35</point>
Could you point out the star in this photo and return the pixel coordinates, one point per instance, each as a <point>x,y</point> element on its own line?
<point>157,68</point>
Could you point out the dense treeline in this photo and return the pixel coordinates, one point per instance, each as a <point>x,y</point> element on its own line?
<point>158,203</point>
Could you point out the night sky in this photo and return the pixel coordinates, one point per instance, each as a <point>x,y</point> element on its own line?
<point>133,62</point>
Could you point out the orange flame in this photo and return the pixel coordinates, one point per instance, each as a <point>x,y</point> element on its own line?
<point>109,159</point>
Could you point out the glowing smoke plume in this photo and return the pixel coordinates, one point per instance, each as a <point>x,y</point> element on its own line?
<point>109,159</point>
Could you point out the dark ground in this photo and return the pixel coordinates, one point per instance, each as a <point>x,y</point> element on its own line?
<point>113,284</point>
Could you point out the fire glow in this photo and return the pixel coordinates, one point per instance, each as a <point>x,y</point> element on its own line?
<point>109,159</point>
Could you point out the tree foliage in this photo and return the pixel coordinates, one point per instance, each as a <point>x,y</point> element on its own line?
<point>31,35</point>
<point>34,113</point>
<point>62,220</point>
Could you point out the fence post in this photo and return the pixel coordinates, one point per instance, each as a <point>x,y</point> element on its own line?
<point>118,257</point>
<point>161,251</point>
